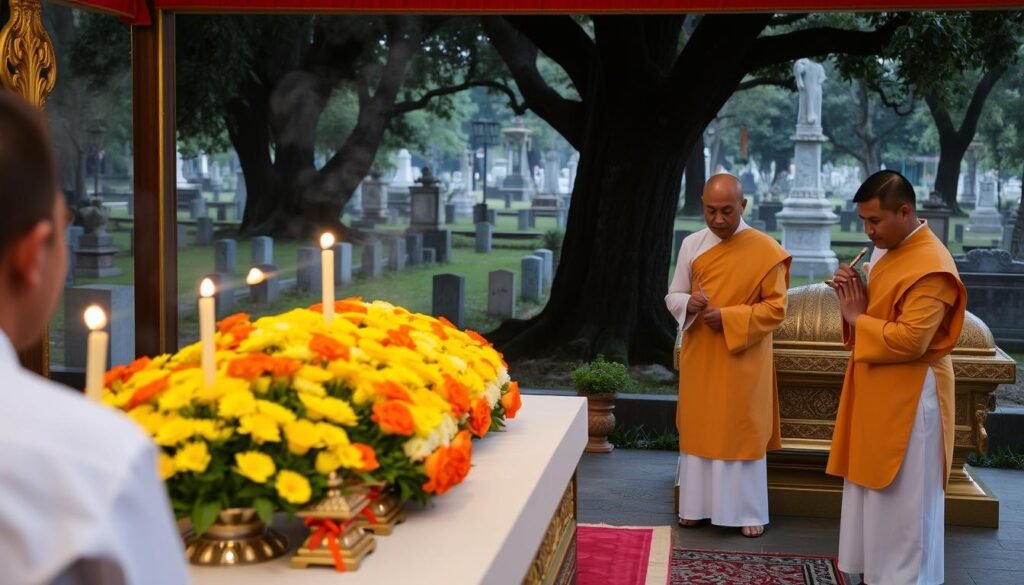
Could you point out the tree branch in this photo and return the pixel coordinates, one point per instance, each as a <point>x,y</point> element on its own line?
<point>817,42</point>
<point>970,123</point>
<point>561,39</point>
<point>784,19</point>
<point>410,105</point>
<point>784,83</point>
<point>564,115</point>
<point>943,123</point>
<point>843,148</point>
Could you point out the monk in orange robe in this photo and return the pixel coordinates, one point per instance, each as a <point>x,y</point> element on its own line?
<point>893,440</point>
<point>729,295</point>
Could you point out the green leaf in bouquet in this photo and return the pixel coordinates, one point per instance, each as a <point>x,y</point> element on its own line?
<point>204,514</point>
<point>264,508</point>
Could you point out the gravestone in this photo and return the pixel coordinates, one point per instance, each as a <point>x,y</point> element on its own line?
<point>561,217</point>
<point>995,293</point>
<point>414,246</point>
<point>225,257</point>
<point>118,302</point>
<point>449,298</point>
<point>396,254</point>
<point>501,294</point>
<point>429,256</point>
<point>492,217</point>
<point>767,211</point>
<point>198,208</point>
<point>342,263</point>
<point>181,232</point>
<point>224,295</point>
<point>986,222</point>
<point>523,216</point>
<point>441,242</point>
<point>94,254</point>
<point>307,265</point>
<point>484,234</point>
<point>449,213</point>
<point>262,250</point>
<point>549,265</point>
<point>204,231</point>
<point>267,290</point>
<point>532,269</point>
<point>373,259</point>
<point>958,233</point>
<point>758,225</point>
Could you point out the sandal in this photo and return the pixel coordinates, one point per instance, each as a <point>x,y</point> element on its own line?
<point>692,523</point>
<point>758,534</point>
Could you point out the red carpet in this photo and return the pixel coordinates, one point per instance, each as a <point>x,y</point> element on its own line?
<point>622,555</point>
<point>709,567</point>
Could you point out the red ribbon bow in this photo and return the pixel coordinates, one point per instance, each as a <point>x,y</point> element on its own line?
<point>325,527</point>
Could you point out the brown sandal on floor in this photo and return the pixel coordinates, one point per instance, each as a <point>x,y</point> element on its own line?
<point>692,523</point>
<point>758,535</point>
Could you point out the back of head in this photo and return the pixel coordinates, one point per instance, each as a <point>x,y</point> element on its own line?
<point>28,182</point>
<point>890,188</point>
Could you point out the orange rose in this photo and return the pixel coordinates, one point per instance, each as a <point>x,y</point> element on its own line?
<point>369,457</point>
<point>113,375</point>
<point>328,348</point>
<point>147,393</point>
<point>439,331</point>
<point>448,466</point>
<point>133,368</point>
<point>480,418</point>
<point>350,305</point>
<point>234,337</point>
<point>512,400</point>
<point>456,395</point>
<point>228,323</point>
<point>400,337</point>
<point>282,366</point>
<point>394,418</point>
<point>249,367</point>
<point>391,391</point>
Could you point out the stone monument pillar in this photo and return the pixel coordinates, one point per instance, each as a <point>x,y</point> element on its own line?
<point>806,217</point>
<point>518,183</point>
<point>375,201</point>
<point>986,221</point>
<point>94,257</point>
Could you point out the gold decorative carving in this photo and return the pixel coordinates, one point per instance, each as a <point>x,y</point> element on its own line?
<point>555,561</point>
<point>28,65</point>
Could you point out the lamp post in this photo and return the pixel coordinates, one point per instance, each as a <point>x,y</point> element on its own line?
<point>96,131</point>
<point>485,134</point>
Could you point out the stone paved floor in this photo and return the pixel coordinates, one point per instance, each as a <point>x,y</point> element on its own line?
<point>630,487</point>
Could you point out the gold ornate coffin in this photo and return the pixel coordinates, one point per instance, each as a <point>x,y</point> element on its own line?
<point>811,361</point>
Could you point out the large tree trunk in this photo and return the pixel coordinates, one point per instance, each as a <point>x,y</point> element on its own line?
<point>695,178</point>
<point>608,293</point>
<point>247,120</point>
<point>953,141</point>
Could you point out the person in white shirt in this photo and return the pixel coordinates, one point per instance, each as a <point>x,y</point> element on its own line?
<point>80,498</point>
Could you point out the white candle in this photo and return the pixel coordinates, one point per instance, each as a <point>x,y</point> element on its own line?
<point>207,312</point>
<point>96,361</point>
<point>327,275</point>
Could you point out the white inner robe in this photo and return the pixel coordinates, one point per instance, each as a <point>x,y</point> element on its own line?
<point>730,493</point>
<point>894,536</point>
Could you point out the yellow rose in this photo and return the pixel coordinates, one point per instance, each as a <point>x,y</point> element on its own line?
<point>212,430</point>
<point>166,465</point>
<point>192,457</point>
<point>280,414</point>
<point>314,374</point>
<point>292,487</point>
<point>333,409</point>
<point>174,431</point>
<point>326,462</point>
<point>147,418</point>
<point>302,436</point>
<point>331,435</point>
<point>261,385</point>
<point>348,456</point>
<point>261,427</point>
<point>255,466</point>
<point>426,419</point>
<point>189,354</point>
<point>223,386</point>
<point>176,397</point>
<point>237,405</point>
<point>304,386</point>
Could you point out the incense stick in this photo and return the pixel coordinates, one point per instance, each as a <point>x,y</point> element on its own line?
<point>853,264</point>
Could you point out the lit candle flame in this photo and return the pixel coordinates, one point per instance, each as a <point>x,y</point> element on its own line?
<point>254,277</point>
<point>95,318</point>
<point>206,288</point>
<point>326,241</point>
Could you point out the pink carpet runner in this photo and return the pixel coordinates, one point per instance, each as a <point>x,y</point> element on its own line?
<point>622,555</point>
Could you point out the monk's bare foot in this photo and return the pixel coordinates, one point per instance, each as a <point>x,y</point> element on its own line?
<point>689,523</point>
<point>752,531</point>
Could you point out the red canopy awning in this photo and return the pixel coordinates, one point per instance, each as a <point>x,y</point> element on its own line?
<point>136,11</point>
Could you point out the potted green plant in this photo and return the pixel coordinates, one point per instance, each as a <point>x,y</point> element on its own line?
<point>600,381</point>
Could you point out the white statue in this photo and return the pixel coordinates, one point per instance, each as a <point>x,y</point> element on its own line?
<point>809,77</point>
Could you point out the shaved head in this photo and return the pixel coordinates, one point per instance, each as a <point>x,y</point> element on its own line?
<point>723,204</point>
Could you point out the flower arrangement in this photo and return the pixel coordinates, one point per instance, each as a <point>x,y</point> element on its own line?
<point>379,395</point>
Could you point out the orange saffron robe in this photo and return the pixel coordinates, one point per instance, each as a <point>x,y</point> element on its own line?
<point>728,401</point>
<point>916,306</point>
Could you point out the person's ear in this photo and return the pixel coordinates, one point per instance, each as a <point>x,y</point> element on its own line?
<point>28,255</point>
<point>743,203</point>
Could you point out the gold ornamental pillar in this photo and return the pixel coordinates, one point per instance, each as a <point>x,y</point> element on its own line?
<point>28,67</point>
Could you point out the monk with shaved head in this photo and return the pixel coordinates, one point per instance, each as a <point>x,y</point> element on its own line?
<point>728,295</point>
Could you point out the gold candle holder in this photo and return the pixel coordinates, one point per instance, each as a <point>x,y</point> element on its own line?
<point>387,513</point>
<point>238,537</point>
<point>336,537</point>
